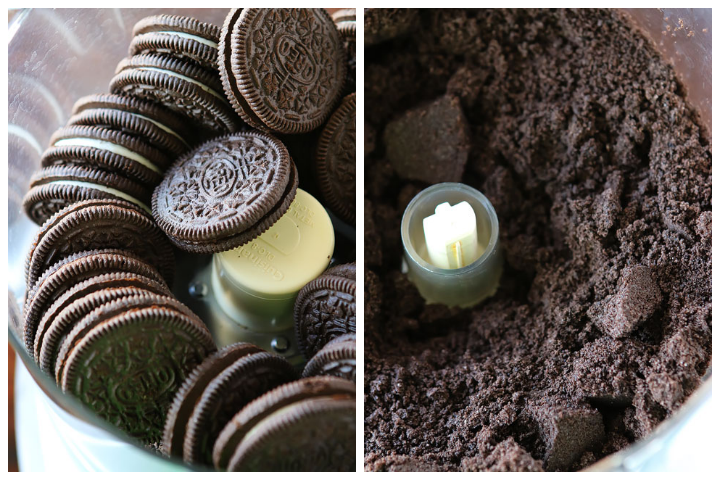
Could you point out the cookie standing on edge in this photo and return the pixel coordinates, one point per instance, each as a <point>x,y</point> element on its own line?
<point>189,394</point>
<point>60,277</point>
<point>134,391</point>
<point>337,359</point>
<point>276,402</point>
<point>43,349</point>
<point>325,309</point>
<point>217,389</point>
<point>225,192</point>
<point>282,69</point>
<point>335,161</point>
<point>151,122</point>
<point>345,21</point>
<point>181,86</point>
<point>108,150</point>
<point>181,37</point>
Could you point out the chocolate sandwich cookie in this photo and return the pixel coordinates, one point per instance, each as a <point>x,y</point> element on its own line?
<point>127,368</point>
<point>282,69</point>
<point>383,24</point>
<point>183,37</point>
<point>180,86</point>
<point>226,192</point>
<point>71,327</point>
<point>236,386</point>
<point>108,150</point>
<point>100,224</point>
<point>335,161</point>
<point>345,22</point>
<point>259,410</point>
<point>192,389</point>
<point>336,359</point>
<point>156,125</point>
<point>313,434</point>
<point>44,347</point>
<point>61,277</point>
<point>55,188</point>
<point>324,309</point>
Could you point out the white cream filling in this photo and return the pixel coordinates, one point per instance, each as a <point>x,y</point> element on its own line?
<point>205,41</point>
<point>103,188</point>
<point>108,146</point>
<point>163,127</point>
<point>187,79</point>
<point>154,122</point>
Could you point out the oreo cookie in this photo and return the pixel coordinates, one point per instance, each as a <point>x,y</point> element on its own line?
<point>214,392</point>
<point>100,224</point>
<point>337,359</point>
<point>126,361</point>
<point>44,347</point>
<point>67,272</point>
<point>108,150</point>
<point>325,308</point>
<point>345,22</point>
<point>178,85</point>
<point>54,188</point>
<point>282,69</point>
<point>308,425</point>
<point>335,161</point>
<point>226,192</point>
<point>100,306</point>
<point>156,125</point>
<point>173,35</point>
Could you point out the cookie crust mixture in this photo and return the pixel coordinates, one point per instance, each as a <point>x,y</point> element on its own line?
<point>601,177</point>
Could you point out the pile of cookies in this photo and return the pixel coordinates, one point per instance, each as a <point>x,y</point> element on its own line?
<point>100,316</point>
<point>238,411</point>
<point>183,153</point>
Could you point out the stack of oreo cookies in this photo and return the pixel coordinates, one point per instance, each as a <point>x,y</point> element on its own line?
<point>165,98</point>
<point>100,317</point>
<point>317,413</point>
<point>173,62</point>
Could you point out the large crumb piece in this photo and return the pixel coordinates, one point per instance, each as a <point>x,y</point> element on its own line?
<point>507,456</point>
<point>430,143</point>
<point>401,463</point>
<point>567,430</point>
<point>636,300</point>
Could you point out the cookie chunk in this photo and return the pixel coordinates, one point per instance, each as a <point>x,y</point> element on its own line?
<point>567,430</point>
<point>430,143</point>
<point>636,300</point>
<point>507,456</point>
<point>383,24</point>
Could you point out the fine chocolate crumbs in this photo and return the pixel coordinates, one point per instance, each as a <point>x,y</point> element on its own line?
<point>581,137</point>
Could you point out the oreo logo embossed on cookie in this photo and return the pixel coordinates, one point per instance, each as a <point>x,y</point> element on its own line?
<point>225,192</point>
<point>282,69</point>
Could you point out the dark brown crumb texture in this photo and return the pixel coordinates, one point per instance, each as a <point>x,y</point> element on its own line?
<point>580,136</point>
